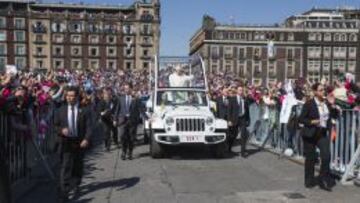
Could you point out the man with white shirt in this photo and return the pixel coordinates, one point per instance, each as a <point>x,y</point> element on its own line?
<point>179,79</point>
<point>73,125</point>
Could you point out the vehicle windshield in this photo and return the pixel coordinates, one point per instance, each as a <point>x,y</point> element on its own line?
<point>181,98</point>
<point>181,73</point>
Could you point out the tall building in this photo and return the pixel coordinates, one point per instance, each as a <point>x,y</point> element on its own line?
<point>317,44</point>
<point>78,36</point>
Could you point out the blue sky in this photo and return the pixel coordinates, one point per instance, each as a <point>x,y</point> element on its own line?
<point>181,18</point>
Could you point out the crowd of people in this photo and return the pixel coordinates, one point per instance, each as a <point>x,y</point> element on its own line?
<point>116,98</point>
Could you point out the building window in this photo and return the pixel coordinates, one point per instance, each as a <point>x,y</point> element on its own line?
<point>290,69</point>
<point>58,38</point>
<point>146,65</point>
<point>94,64</point>
<point>20,49</point>
<point>257,53</point>
<point>291,36</point>
<point>228,64</point>
<point>19,23</point>
<point>228,52</point>
<point>19,36</point>
<point>76,64</point>
<point>39,51</point>
<point>3,49</point>
<point>76,51</point>
<point>111,51</point>
<point>353,37</point>
<point>76,39</point>
<point>58,50</point>
<point>75,27</point>
<point>326,70</point>
<point>111,39</point>
<point>111,64</point>
<point>128,52</point>
<point>257,69</point>
<point>214,52</point>
<point>340,52</point>
<point>58,27</point>
<point>352,52</point>
<point>242,68</point>
<point>351,66</point>
<point>147,40</point>
<point>2,36</point>
<point>336,37</point>
<point>145,52</point>
<point>39,64</point>
<point>339,65</point>
<point>128,29</point>
<point>327,52</point>
<point>2,63</point>
<point>146,29</point>
<point>94,39</point>
<point>242,53</point>
<point>327,37</point>
<point>290,53</point>
<point>58,64</point>
<point>128,65</point>
<point>314,52</point>
<point>343,37</point>
<point>312,36</point>
<point>2,22</point>
<point>272,69</point>
<point>20,62</point>
<point>313,70</point>
<point>94,51</point>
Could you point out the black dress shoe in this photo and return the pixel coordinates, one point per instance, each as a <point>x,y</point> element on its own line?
<point>310,183</point>
<point>325,185</point>
<point>130,157</point>
<point>123,156</point>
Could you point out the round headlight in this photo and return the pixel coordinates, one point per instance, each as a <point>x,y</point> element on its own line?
<point>169,121</point>
<point>209,121</point>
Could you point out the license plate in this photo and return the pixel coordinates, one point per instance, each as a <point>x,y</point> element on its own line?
<point>192,138</point>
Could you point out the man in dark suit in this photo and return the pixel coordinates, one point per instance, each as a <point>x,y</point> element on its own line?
<point>316,116</point>
<point>73,125</point>
<point>130,109</point>
<point>239,119</point>
<point>222,103</point>
<point>107,110</point>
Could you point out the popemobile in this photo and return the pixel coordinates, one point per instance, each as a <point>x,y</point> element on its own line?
<point>179,111</point>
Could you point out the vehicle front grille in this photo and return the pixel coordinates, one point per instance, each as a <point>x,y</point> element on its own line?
<point>190,124</point>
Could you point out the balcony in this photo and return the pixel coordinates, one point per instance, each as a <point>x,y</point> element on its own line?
<point>40,29</point>
<point>147,33</point>
<point>146,18</point>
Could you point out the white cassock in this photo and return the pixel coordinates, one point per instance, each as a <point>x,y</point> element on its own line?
<point>176,80</point>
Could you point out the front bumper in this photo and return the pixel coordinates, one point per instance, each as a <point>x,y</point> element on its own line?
<point>188,138</point>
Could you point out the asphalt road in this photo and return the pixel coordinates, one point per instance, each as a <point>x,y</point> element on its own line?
<point>193,176</point>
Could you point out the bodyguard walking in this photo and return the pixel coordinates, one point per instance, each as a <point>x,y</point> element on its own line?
<point>317,116</point>
<point>108,109</point>
<point>73,125</point>
<point>130,110</point>
<point>240,119</point>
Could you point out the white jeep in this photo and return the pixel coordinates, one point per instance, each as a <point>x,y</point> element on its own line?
<point>182,116</point>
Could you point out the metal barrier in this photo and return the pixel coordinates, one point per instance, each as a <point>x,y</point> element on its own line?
<point>345,149</point>
<point>21,152</point>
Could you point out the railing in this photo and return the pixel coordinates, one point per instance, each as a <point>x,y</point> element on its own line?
<point>21,152</point>
<point>270,134</point>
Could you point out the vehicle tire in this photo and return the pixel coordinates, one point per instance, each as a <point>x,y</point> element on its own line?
<point>156,151</point>
<point>219,150</point>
